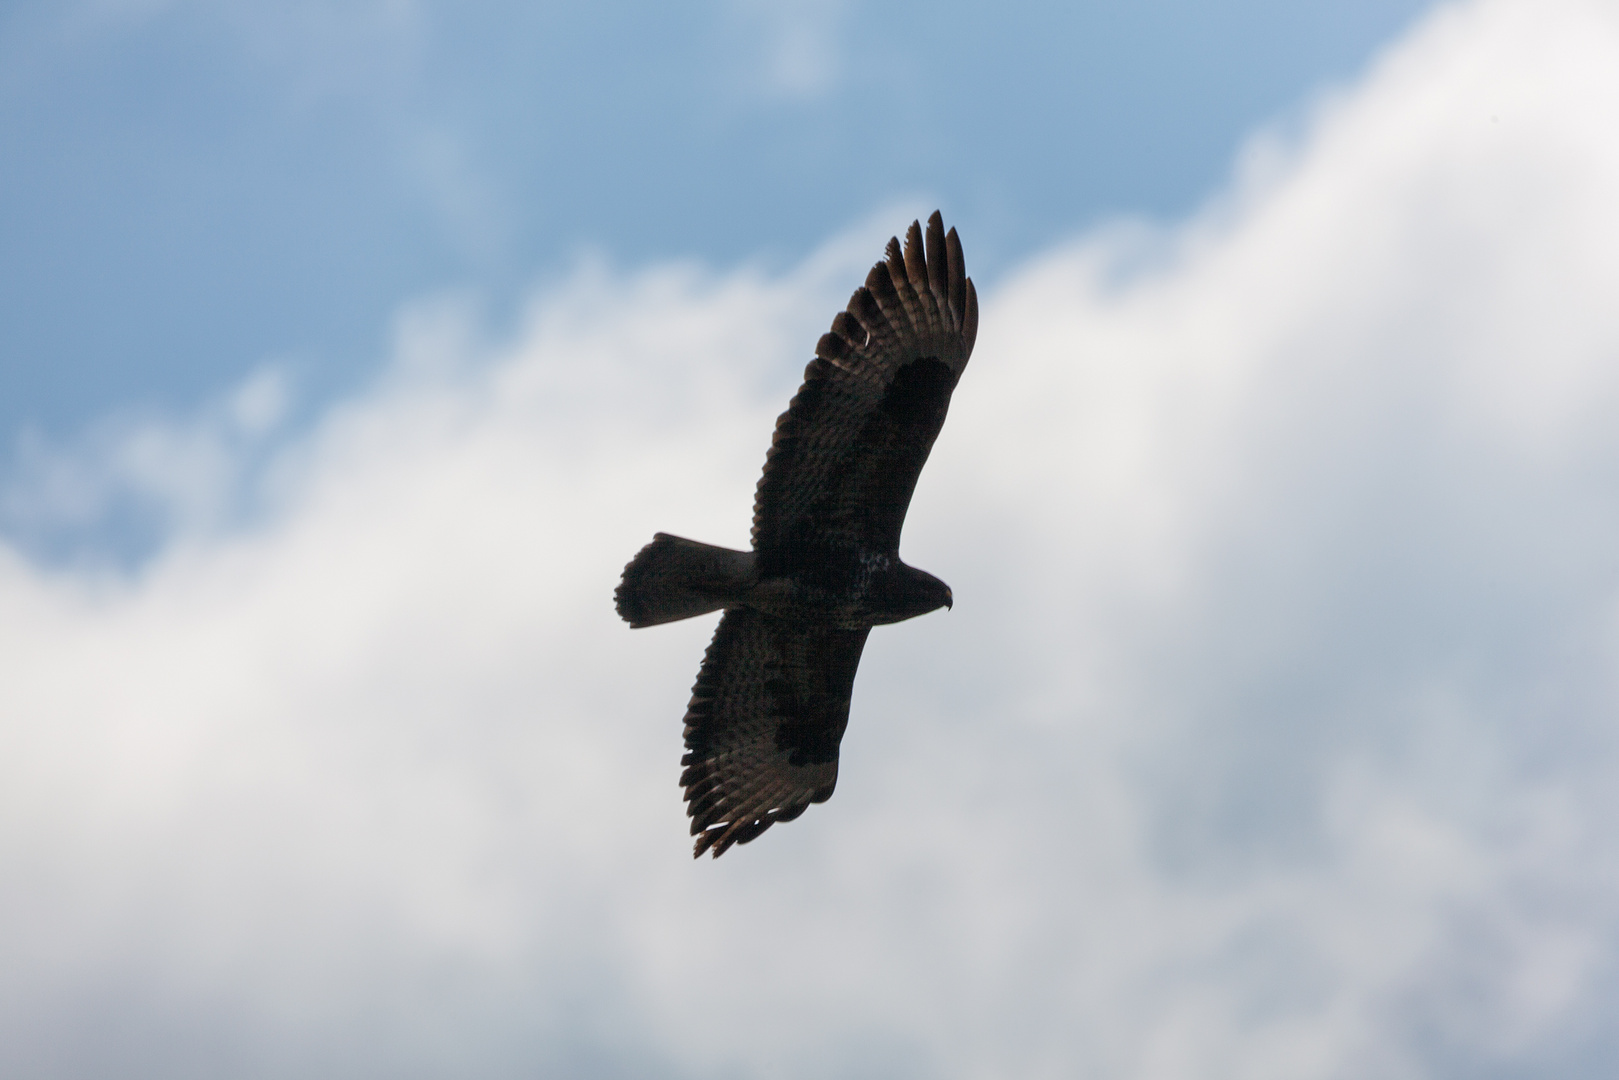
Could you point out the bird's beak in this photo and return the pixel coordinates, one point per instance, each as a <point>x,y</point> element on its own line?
<point>949,600</point>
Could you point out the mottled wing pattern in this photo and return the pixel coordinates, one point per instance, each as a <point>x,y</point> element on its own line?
<point>762,731</point>
<point>846,454</point>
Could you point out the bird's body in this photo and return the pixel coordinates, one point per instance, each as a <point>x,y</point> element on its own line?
<point>772,698</point>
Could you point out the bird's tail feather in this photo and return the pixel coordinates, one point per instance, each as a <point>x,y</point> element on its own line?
<point>675,578</point>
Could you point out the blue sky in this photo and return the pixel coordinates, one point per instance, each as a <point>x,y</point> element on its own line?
<point>189,191</point>
<point>1271,733</point>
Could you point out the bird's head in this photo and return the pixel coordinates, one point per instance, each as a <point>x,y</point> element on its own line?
<point>911,592</point>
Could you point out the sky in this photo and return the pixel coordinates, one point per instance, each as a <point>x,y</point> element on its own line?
<point>1271,733</point>
<point>193,189</point>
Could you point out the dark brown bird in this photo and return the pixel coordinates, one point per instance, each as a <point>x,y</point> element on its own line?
<point>772,698</point>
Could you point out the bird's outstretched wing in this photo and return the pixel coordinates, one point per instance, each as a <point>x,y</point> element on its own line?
<point>846,454</point>
<point>762,731</point>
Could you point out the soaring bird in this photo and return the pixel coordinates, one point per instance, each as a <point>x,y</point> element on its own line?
<point>772,698</point>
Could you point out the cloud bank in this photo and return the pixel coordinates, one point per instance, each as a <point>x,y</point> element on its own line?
<point>1272,733</point>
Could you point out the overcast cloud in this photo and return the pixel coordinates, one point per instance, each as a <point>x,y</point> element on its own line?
<point>1272,733</point>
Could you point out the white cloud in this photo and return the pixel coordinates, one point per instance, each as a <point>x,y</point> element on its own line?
<point>1271,734</point>
<point>163,474</point>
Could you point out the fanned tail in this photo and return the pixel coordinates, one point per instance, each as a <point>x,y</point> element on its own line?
<point>674,578</point>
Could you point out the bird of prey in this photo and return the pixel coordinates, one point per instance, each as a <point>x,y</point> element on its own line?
<point>772,697</point>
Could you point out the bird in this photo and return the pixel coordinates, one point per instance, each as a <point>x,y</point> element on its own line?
<point>771,701</point>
